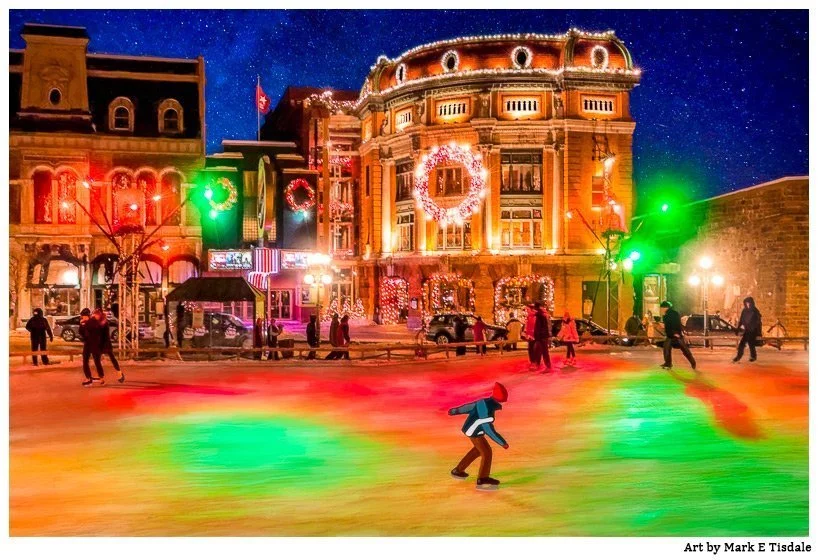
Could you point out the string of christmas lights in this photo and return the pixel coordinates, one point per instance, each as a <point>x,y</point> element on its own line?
<point>325,98</point>
<point>394,298</point>
<point>289,194</point>
<point>451,153</point>
<point>355,311</point>
<point>433,302</point>
<point>502,311</point>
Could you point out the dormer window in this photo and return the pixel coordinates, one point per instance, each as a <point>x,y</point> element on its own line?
<point>170,117</point>
<point>121,115</point>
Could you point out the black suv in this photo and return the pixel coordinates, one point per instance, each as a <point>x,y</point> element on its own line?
<point>441,328</point>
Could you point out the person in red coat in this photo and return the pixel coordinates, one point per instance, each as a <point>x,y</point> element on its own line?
<point>569,336</point>
<point>479,330</point>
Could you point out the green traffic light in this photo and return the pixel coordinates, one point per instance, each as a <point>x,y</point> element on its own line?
<point>208,194</point>
<point>635,255</point>
<point>665,207</point>
<point>213,214</point>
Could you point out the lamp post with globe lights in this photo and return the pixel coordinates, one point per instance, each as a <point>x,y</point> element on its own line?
<point>319,275</point>
<point>705,277</point>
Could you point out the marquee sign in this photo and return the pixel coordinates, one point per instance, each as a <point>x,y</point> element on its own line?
<point>230,260</point>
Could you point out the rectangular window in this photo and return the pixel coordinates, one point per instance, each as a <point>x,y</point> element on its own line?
<point>521,105</point>
<point>14,204</point>
<point>521,172</point>
<point>454,237</point>
<point>367,180</point>
<point>449,181</point>
<point>406,232</point>
<point>42,198</point>
<point>404,181</point>
<point>403,119</point>
<point>597,191</point>
<point>342,237</point>
<point>521,228</point>
<point>596,104</point>
<point>280,304</point>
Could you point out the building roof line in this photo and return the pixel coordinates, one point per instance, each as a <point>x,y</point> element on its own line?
<point>753,187</point>
<point>137,57</point>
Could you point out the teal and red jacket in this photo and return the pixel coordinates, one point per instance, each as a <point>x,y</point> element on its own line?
<point>481,418</point>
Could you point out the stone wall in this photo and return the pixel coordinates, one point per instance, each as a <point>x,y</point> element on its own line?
<point>759,241</point>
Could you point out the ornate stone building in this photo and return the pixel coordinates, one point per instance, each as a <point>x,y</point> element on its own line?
<point>84,125</point>
<point>490,168</point>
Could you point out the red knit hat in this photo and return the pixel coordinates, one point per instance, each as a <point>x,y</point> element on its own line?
<point>499,393</point>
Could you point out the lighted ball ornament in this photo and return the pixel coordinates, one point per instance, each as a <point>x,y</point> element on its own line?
<point>451,153</point>
<point>289,194</point>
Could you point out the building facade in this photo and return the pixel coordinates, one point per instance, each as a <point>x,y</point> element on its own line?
<point>491,167</point>
<point>85,128</point>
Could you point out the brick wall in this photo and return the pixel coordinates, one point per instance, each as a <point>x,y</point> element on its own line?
<point>759,241</point>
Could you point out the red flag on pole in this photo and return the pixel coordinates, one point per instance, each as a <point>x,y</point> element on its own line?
<point>262,101</point>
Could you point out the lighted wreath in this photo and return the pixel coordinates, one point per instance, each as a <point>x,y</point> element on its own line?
<point>232,195</point>
<point>289,194</point>
<point>451,153</point>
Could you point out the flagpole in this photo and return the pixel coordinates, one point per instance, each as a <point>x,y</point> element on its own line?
<point>258,111</point>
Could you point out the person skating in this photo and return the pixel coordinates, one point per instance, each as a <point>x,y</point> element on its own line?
<point>333,335</point>
<point>542,337</point>
<point>750,321</point>
<point>479,330</point>
<point>38,329</point>
<point>514,328</point>
<point>343,337</point>
<point>460,327</point>
<point>91,333</point>
<point>478,425</point>
<point>674,334</point>
<point>569,336</point>
<point>106,346</point>
<point>312,336</point>
<point>530,324</point>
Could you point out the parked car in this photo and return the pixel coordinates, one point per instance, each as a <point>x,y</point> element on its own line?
<point>583,326</point>
<point>693,326</point>
<point>441,329</point>
<point>220,329</point>
<point>69,329</point>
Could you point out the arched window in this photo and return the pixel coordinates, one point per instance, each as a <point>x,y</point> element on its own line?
<point>67,198</point>
<point>121,114</point>
<point>146,180</point>
<point>171,117</point>
<point>42,197</point>
<point>171,192</point>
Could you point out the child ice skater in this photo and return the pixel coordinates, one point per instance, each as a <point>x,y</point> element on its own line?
<point>478,425</point>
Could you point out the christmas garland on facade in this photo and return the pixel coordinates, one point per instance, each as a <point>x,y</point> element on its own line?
<point>501,312</point>
<point>432,302</point>
<point>451,153</point>
<point>394,297</point>
<point>289,194</point>
<point>355,311</point>
<point>232,195</point>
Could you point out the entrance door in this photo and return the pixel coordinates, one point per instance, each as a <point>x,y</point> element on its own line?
<point>594,303</point>
<point>280,304</point>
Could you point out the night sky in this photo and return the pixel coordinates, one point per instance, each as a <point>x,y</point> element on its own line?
<point>722,104</point>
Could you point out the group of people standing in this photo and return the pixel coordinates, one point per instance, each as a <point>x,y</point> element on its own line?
<point>338,337</point>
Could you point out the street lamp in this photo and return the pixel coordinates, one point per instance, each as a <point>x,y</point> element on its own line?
<point>705,278</point>
<point>318,274</point>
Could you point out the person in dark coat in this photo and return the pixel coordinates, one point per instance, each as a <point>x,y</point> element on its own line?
<point>542,337</point>
<point>633,328</point>
<point>106,346</point>
<point>312,336</point>
<point>273,331</point>
<point>479,330</point>
<point>180,324</point>
<point>333,334</point>
<point>38,329</point>
<point>258,337</point>
<point>91,333</point>
<point>460,327</point>
<point>750,321</point>
<point>343,337</point>
<point>674,335</point>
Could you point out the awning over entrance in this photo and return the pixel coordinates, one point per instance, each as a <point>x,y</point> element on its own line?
<point>216,290</point>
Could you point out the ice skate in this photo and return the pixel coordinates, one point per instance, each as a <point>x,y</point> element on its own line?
<point>459,475</point>
<point>87,383</point>
<point>488,483</point>
<point>122,377</point>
